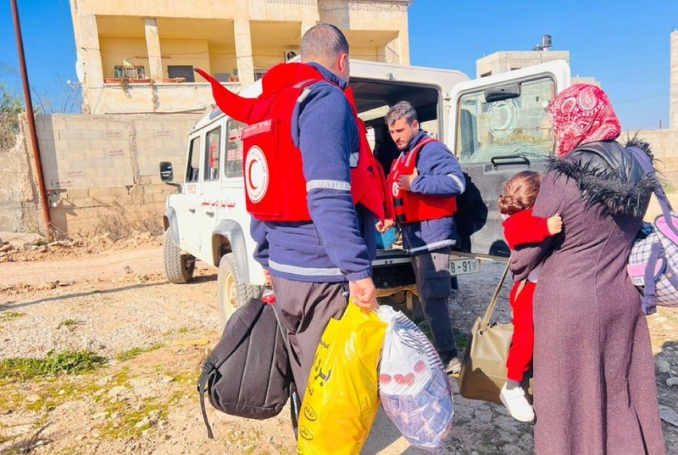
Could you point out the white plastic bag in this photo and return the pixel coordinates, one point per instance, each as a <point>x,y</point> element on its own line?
<point>415,392</point>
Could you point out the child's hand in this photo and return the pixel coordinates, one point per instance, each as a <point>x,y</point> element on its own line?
<point>385,226</point>
<point>554,225</point>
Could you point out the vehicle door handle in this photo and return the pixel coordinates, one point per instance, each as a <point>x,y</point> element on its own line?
<point>509,159</point>
<point>210,213</point>
<point>191,210</point>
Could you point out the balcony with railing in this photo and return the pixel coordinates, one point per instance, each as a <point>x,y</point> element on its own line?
<point>147,64</point>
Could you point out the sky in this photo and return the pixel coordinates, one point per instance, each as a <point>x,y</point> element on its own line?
<point>623,44</point>
<point>49,46</point>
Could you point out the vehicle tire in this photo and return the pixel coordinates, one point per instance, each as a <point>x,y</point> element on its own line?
<point>232,293</point>
<point>398,302</point>
<point>179,266</point>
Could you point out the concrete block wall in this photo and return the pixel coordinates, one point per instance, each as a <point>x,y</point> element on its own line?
<point>104,168</point>
<point>87,151</point>
<point>19,204</point>
<point>87,211</point>
<point>665,149</point>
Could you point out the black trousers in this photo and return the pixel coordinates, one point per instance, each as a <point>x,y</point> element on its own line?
<point>431,269</point>
<point>305,310</point>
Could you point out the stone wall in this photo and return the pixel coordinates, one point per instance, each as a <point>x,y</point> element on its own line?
<point>101,171</point>
<point>19,203</point>
<point>665,149</point>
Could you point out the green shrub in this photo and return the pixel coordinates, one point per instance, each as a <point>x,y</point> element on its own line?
<point>67,362</point>
<point>68,323</point>
<point>7,315</point>
<point>134,352</point>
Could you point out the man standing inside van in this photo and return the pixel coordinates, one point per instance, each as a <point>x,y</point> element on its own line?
<point>322,243</point>
<point>424,181</point>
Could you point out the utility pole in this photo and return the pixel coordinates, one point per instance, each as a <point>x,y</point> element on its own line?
<point>31,119</point>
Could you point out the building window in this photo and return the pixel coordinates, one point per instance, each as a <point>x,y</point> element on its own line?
<point>129,72</point>
<point>185,71</point>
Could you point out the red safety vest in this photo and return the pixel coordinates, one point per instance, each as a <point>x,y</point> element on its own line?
<point>275,186</point>
<point>411,207</point>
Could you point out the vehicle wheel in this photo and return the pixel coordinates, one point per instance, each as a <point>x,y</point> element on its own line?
<point>179,266</point>
<point>232,293</point>
<point>398,302</point>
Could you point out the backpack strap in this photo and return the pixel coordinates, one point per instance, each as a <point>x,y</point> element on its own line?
<point>649,300</point>
<point>649,169</point>
<point>294,394</point>
<point>209,370</point>
<point>652,276</point>
<point>283,332</point>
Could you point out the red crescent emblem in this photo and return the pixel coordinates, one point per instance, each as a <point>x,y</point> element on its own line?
<point>249,174</point>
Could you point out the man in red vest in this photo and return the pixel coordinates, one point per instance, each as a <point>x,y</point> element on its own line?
<point>312,189</point>
<point>424,182</point>
<point>312,261</point>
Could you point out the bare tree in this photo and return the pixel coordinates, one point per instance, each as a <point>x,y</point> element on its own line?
<point>10,108</point>
<point>61,97</point>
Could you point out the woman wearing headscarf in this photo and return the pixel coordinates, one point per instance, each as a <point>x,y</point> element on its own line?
<point>595,390</point>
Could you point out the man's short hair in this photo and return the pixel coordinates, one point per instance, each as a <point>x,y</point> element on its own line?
<point>403,109</point>
<point>323,40</point>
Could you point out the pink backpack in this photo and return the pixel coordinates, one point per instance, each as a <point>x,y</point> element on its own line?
<point>653,261</point>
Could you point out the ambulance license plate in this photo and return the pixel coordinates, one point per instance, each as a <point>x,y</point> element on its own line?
<point>464,266</point>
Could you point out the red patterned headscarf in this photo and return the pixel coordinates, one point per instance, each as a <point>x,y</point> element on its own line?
<point>581,114</point>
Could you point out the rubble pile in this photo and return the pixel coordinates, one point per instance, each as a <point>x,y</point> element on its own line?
<point>33,247</point>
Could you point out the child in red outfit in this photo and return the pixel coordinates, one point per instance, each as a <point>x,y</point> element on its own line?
<point>521,228</point>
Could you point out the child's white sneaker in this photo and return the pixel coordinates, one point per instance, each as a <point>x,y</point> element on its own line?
<point>513,397</point>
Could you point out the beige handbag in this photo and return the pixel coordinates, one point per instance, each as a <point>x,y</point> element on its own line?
<point>483,369</point>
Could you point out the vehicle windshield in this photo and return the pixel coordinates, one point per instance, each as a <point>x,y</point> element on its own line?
<point>516,126</point>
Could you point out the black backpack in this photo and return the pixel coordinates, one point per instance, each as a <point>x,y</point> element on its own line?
<point>248,372</point>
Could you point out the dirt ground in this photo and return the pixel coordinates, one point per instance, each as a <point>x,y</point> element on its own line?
<point>111,297</point>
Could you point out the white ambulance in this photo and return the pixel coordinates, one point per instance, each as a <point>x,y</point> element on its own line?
<point>496,126</point>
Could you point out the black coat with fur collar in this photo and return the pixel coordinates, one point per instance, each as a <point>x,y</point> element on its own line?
<point>609,176</point>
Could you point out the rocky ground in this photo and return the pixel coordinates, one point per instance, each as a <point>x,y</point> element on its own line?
<point>148,339</point>
<point>32,247</point>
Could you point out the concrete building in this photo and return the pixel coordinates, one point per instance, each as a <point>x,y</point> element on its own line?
<point>138,57</point>
<point>504,61</point>
<point>665,141</point>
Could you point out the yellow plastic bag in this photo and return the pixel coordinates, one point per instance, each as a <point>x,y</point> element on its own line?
<point>342,397</point>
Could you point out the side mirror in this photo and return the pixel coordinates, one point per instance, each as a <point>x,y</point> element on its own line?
<point>503,92</point>
<point>166,171</point>
<point>167,174</point>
